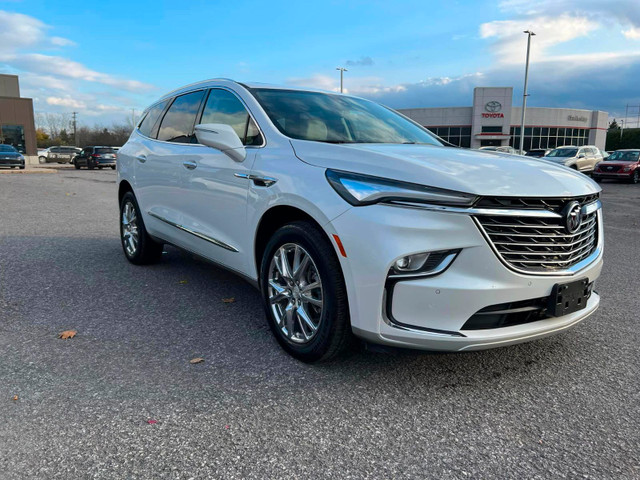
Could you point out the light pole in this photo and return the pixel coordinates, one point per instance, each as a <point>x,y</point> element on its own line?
<point>525,95</point>
<point>342,70</point>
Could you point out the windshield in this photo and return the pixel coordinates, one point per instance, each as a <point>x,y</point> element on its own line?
<point>7,148</point>
<point>333,118</point>
<point>563,152</point>
<point>623,156</point>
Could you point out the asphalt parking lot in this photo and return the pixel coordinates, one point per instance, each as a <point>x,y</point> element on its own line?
<point>121,400</point>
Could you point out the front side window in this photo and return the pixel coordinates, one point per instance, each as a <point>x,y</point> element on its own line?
<point>563,152</point>
<point>151,118</point>
<point>335,118</point>
<point>177,124</point>
<point>224,107</point>
<point>7,148</point>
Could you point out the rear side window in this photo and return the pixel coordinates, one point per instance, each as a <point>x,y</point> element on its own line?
<point>151,118</point>
<point>105,150</point>
<point>224,107</point>
<point>177,124</point>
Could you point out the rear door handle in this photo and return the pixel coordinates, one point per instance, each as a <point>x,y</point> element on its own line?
<point>189,164</point>
<point>141,158</point>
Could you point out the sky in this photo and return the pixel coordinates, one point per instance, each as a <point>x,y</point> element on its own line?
<point>105,59</point>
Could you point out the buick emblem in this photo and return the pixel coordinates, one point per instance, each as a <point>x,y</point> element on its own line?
<point>572,214</point>
<point>493,106</point>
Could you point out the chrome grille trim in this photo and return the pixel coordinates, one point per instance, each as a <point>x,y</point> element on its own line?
<point>541,246</point>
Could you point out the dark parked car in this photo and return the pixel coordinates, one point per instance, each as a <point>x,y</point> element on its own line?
<point>539,153</point>
<point>10,157</point>
<point>620,165</point>
<point>96,157</point>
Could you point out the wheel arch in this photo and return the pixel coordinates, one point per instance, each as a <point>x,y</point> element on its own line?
<point>123,188</point>
<point>271,220</point>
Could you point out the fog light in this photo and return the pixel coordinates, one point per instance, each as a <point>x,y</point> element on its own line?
<point>411,263</point>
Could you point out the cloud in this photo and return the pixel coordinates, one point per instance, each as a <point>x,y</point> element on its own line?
<point>63,67</point>
<point>65,102</point>
<point>22,31</point>
<point>363,62</point>
<point>550,31</point>
<point>322,82</point>
<point>633,33</point>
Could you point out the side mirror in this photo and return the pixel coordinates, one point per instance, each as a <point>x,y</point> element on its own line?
<point>221,137</point>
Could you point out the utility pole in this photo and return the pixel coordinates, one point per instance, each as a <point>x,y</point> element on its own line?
<point>75,130</point>
<point>621,128</point>
<point>525,95</point>
<point>342,70</point>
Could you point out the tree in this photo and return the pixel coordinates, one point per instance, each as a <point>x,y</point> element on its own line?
<point>42,138</point>
<point>614,125</point>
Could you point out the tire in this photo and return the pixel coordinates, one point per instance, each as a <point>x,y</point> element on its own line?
<point>90,165</point>
<point>597,179</point>
<point>75,164</point>
<point>21,167</point>
<point>147,250</point>
<point>113,167</point>
<point>42,159</point>
<point>99,168</point>
<point>332,334</point>
<point>636,177</point>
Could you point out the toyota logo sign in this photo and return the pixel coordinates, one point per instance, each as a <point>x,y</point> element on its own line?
<point>493,106</point>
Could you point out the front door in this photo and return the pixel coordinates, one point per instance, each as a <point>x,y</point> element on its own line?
<point>214,187</point>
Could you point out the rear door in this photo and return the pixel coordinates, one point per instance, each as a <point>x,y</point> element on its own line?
<point>159,167</point>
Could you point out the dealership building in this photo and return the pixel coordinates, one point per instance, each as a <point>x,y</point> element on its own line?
<point>494,121</point>
<point>17,125</point>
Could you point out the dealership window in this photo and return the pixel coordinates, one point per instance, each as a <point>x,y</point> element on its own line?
<point>456,135</point>
<point>497,130</point>
<point>548,137</point>
<point>13,135</point>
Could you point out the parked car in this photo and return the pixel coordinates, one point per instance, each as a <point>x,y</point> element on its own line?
<point>504,149</point>
<point>96,157</point>
<point>538,153</point>
<point>583,159</point>
<point>352,219</point>
<point>604,154</point>
<point>11,157</point>
<point>620,165</point>
<point>60,154</point>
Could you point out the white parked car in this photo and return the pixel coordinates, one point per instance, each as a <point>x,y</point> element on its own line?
<point>583,159</point>
<point>352,219</point>
<point>503,149</point>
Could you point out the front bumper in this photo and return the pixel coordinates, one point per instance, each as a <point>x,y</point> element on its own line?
<point>11,162</point>
<point>429,313</point>
<point>616,175</point>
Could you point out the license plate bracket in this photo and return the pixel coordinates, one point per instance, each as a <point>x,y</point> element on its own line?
<point>568,297</point>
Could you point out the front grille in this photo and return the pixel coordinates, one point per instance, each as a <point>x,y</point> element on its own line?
<point>609,168</point>
<point>533,203</point>
<point>541,244</point>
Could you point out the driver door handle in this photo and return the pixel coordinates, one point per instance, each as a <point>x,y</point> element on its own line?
<point>189,164</point>
<point>141,158</point>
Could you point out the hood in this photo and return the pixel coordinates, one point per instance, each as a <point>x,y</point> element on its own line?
<point>450,168</point>
<point>10,155</point>
<point>612,163</point>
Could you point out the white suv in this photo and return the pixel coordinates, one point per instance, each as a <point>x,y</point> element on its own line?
<point>352,219</point>
<point>583,159</point>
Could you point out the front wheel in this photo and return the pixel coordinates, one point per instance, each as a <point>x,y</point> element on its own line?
<point>304,293</point>
<point>113,167</point>
<point>138,246</point>
<point>42,159</point>
<point>635,178</point>
<point>75,164</point>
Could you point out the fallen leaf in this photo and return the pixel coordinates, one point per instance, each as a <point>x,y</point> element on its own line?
<point>196,360</point>
<point>15,398</point>
<point>182,282</point>
<point>228,300</point>
<point>67,334</point>
<point>152,422</point>
<point>226,427</point>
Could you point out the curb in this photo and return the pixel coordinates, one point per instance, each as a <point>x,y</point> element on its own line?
<point>27,171</point>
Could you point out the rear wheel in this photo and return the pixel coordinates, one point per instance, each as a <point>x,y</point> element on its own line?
<point>138,246</point>
<point>304,293</point>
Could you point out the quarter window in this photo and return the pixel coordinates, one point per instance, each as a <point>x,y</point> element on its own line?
<point>224,107</point>
<point>177,124</point>
<point>151,118</point>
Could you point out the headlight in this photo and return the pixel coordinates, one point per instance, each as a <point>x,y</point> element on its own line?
<point>361,190</point>
<point>626,168</point>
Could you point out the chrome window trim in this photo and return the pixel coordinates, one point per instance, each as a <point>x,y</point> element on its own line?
<point>208,89</point>
<point>202,236</point>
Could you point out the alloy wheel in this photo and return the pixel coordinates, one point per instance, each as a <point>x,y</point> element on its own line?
<point>130,229</point>
<point>295,293</point>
